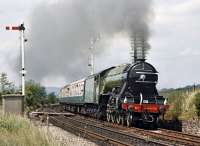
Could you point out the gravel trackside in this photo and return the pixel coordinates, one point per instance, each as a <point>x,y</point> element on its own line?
<point>64,138</point>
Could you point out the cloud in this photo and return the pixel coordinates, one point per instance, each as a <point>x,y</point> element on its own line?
<point>174,40</point>
<point>175,45</point>
<point>60,34</point>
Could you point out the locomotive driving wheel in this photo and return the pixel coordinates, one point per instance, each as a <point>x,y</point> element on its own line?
<point>123,120</point>
<point>118,119</point>
<point>129,119</point>
<point>113,117</point>
<point>154,124</point>
<point>108,115</point>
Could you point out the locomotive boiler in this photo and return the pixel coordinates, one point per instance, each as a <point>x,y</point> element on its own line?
<point>124,94</point>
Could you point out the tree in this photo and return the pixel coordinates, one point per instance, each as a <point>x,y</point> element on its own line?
<point>197,103</point>
<point>35,94</point>
<point>7,87</point>
<point>51,97</point>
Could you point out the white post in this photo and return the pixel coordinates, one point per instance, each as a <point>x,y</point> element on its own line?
<point>23,72</point>
<point>91,49</point>
<point>91,61</point>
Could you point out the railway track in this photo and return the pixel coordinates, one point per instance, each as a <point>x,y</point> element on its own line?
<point>181,135</point>
<point>167,136</point>
<point>86,133</point>
<point>101,134</point>
<point>119,135</point>
<point>173,137</point>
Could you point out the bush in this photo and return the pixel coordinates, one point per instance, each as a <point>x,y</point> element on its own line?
<point>197,103</point>
<point>184,104</point>
<point>51,98</point>
<point>35,94</point>
<point>175,100</point>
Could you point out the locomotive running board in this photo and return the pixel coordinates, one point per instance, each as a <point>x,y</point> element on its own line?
<point>145,82</point>
<point>146,73</point>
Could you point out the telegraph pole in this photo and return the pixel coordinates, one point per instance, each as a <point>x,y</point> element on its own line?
<point>91,60</point>
<point>21,28</point>
<point>91,51</point>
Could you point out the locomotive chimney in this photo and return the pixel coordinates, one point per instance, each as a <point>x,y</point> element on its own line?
<point>138,48</point>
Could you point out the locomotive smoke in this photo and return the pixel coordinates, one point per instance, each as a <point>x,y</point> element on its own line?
<point>60,33</point>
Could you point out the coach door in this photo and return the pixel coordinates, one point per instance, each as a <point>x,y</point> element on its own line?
<point>97,83</point>
<point>90,92</point>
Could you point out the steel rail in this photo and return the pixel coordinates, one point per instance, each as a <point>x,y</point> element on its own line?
<point>133,138</point>
<point>162,135</point>
<point>178,139</point>
<point>91,134</point>
<point>175,138</point>
<point>182,135</point>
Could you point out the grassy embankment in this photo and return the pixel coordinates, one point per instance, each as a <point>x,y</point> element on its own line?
<point>18,131</point>
<point>182,103</point>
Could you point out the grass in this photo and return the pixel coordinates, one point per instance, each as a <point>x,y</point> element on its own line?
<point>182,104</point>
<point>18,131</point>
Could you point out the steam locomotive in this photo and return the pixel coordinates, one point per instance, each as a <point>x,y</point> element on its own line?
<point>124,94</point>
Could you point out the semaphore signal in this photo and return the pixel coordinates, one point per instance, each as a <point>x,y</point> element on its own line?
<point>21,28</point>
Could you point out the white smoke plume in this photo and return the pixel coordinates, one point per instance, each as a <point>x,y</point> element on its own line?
<point>60,33</point>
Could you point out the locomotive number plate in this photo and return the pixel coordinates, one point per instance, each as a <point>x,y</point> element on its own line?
<point>145,101</point>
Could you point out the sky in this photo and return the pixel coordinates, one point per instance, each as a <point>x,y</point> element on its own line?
<point>174,42</point>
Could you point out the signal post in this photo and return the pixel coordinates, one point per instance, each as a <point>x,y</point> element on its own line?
<point>21,28</point>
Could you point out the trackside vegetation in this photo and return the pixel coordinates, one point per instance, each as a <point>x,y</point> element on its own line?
<point>184,103</point>
<point>197,103</point>
<point>36,94</point>
<point>18,131</point>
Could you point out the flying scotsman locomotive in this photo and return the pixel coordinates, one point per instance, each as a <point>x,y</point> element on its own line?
<point>124,94</point>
